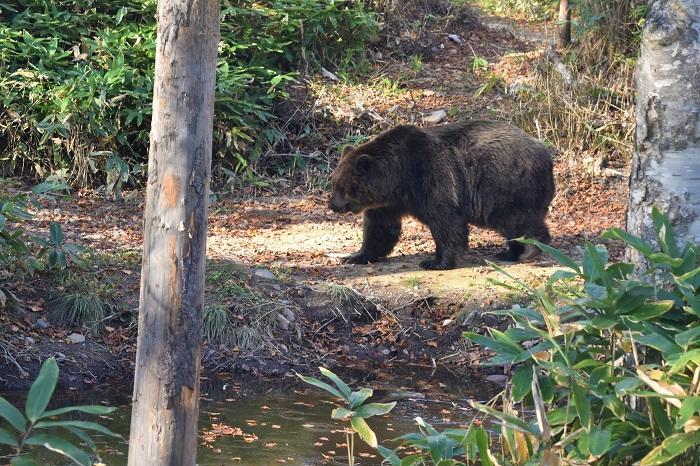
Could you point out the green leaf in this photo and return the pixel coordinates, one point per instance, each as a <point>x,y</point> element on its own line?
<point>87,409</point>
<point>522,382</point>
<point>664,232</point>
<point>506,350</point>
<point>121,12</point>
<point>482,442</point>
<point>689,407</point>
<point>50,186</point>
<point>557,255</point>
<point>658,258</point>
<point>594,261</point>
<point>87,425</point>
<point>56,233</point>
<point>681,363</point>
<point>341,414</point>
<point>61,446</point>
<point>317,383</point>
<point>583,405</point>
<point>24,460</point>
<point>359,397</point>
<point>619,270</point>
<point>658,342</point>
<point>344,389</point>
<point>671,447</point>
<point>599,441</point>
<point>650,310</point>
<point>82,436</point>
<point>410,460</point>
<point>41,390</point>
<point>661,421</point>
<point>630,240</point>
<point>688,337</point>
<point>12,415</point>
<point>389,455</point>
<point>615,406</point>
<point>360,426</point>
<point>6,438</point>
<point>627,385</point>
<point>509,421</point>
<point>374,409</point>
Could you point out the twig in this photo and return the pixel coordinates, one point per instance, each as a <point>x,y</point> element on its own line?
<point>10,358</point>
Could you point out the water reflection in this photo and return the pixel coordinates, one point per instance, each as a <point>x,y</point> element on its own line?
<point>294,426</point>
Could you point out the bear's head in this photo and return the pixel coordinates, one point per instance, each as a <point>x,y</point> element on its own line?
<point>363,179</point>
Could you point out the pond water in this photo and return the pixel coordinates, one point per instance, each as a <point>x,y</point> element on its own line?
<point>293,426</point>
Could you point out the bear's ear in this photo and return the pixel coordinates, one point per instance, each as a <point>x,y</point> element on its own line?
<point>346,150</point>
<point>364,162</point>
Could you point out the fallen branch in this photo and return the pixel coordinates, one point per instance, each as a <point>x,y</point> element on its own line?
<point>559,66</point>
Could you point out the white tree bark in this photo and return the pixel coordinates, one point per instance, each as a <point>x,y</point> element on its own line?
<point>666,162</point>
<point>166,384</point>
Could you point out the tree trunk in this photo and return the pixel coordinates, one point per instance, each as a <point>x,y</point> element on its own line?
<point>166,385</point>
<point>666,162</point>
<point>564,23</point>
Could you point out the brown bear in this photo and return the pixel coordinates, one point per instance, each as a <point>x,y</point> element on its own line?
<point>480,172</point>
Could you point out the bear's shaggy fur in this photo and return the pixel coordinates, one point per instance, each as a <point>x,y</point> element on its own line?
<point>480,172</point>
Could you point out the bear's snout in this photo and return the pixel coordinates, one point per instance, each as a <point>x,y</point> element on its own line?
<point>338,205</point>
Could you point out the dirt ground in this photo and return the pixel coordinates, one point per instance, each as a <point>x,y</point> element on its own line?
<point>283,245</point>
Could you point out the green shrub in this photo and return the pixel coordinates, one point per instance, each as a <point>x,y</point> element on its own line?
<point>77,79</point>
<point>37,427</point>
<point>609,358</point>
<point>17,251</point>
<point>355,412</point>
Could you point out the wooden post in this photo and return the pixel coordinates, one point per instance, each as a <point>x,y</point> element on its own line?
<point>564,23</point>
<point>166,385</point>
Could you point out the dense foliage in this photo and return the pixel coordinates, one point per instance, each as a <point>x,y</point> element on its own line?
<point>608,357</point>
<point>76,78</point>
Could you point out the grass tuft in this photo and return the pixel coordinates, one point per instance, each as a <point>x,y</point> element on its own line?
<point>80,309</point>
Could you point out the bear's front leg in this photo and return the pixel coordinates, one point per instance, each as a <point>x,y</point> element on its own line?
<point>381,231</point>
<point>451,239</point>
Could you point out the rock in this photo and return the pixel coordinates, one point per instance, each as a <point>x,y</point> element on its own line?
<point>283,322</point>
<point>265,274</point>
<point>327,74</point>
<point>289,314</point>
<point>455,38</point>
<point>60,356</point>
<point>435,117</point>
<point>75,338</point>
<point>303,291</point>
<point>42,323</point>
<point>29,340</point>
<point>497,378</point>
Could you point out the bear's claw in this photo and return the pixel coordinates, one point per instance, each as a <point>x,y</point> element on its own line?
<point>434,264</point>
<point>356,258</point>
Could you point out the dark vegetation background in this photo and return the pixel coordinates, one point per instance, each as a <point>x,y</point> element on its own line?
<point>77,79</point>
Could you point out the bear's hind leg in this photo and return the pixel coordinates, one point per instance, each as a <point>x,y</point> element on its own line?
<point>451,240</point>
<point>381,231</point>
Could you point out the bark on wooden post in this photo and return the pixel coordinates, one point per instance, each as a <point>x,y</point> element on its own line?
<point>666,162</point>
<point>166,385</point>
<point>564,23</point>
